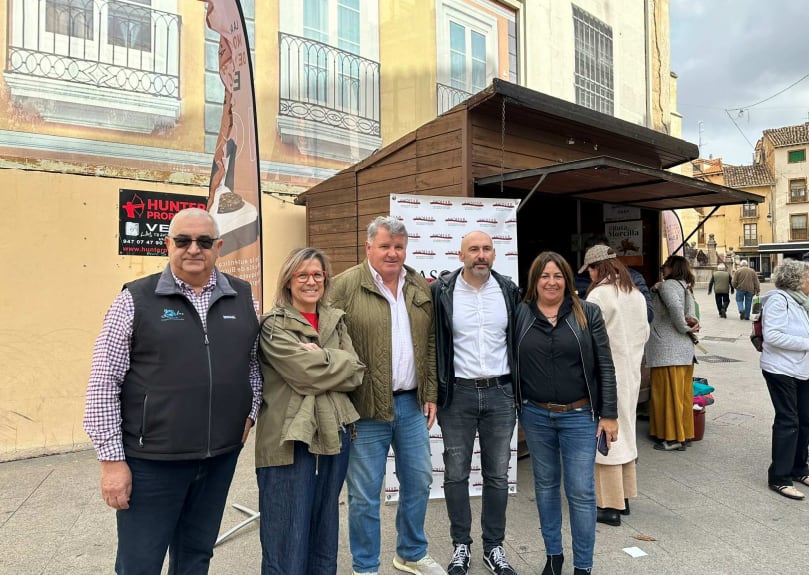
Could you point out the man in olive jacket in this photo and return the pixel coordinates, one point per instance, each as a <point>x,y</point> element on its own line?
<point>389,315</point>
<point>720,284</point>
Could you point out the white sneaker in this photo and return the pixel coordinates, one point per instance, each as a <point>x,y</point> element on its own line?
<point>424,566</point>
<point>369,573</point>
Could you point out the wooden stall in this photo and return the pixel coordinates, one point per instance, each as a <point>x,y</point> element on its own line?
<point>563,160</point>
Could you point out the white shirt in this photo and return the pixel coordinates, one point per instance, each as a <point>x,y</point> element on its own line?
<point>479,327</point>
<point>403,363</point>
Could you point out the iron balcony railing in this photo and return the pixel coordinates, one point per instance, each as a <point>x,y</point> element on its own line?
<point>448,97</point>
<point>324,84</point>
<point>118,44</point>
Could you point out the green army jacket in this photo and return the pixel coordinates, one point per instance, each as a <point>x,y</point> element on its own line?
<point>369,323</point>
<point>305,392</point>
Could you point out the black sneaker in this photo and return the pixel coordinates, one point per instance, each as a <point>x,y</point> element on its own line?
<point>459,565</point>
<point>495,561</point>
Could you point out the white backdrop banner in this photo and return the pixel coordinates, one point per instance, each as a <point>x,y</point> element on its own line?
<point>435,226</point>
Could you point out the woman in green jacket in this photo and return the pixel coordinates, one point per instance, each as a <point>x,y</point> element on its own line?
<point>305,421</point>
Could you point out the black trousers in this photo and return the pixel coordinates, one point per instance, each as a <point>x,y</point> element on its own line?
<point>790,429</point>
<point>722,302</point>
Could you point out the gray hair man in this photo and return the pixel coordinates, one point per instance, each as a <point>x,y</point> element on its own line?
<point>720,284</point>
<point>745,282</point>
<point>389,315</point>
<point>174,389</point>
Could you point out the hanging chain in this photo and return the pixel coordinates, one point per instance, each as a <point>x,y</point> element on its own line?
<point>502,142</point>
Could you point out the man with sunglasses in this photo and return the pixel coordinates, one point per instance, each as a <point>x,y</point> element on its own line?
<point>174,389</point>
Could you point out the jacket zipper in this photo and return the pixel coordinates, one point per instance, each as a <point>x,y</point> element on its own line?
<point>583,370</point>
<point>210,390</point>
<point>517,385</point>
<point>143,420</point>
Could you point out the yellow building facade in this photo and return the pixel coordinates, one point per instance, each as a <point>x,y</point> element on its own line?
<point>114,94</point>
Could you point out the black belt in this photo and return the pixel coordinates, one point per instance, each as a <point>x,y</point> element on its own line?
<point>401,391</point>
<point>484,382</point>
<point>562,407</point>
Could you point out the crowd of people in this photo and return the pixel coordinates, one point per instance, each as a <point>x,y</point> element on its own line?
<point>343,368</point>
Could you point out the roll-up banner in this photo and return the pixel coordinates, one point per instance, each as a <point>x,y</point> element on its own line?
<point>674,233</point>
<point>234,195</point>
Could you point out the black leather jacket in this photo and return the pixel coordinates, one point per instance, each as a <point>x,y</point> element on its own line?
<point>442,291</point>
<point>596,356</point>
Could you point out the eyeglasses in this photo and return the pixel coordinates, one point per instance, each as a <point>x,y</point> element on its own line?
<point>203,242</point>
<point>302,277</point>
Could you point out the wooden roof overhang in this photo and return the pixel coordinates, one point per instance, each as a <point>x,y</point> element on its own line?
<point>613,181</point>
<point>557,121</point>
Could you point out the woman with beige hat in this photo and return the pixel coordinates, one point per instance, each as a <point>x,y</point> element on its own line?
<point>624,311</point>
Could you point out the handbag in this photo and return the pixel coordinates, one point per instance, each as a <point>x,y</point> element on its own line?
<point>757,331</point>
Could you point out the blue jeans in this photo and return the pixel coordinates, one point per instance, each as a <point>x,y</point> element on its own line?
<point>492,414</point>
<point>410,438</point>
<point>299,506</point>
<point>175,505</point>
<point>744,301</point>
<point>557,442</point>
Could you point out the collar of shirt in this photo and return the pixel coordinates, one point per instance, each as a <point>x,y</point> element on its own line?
<point>380,283</point>
<point>465,284</point>
<point>187,287</point>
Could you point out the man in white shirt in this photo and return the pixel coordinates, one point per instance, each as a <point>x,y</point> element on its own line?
<point>474,310</point>
<point>389,315</point>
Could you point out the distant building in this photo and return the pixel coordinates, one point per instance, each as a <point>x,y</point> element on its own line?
<point>783,152</point>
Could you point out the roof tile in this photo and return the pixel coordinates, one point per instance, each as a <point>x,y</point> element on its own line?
<point>747,176</point>
<point>788,136</point>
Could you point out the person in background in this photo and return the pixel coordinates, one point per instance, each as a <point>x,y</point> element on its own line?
<point>583,278</point>
<point>624,311</point>
<point>474,309</point>
<point>785,366</point>
<point>670,355</point>
<point>720,284</point>
<point>389,314</point>
<point>303,433</point>
<point>566,392</point>
<point>745,282</point>
<point>174,389</point>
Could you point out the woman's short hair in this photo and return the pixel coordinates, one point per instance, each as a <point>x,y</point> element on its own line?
<point>538,266</point>
<point>720,267</point>
<point>790,274</point>
<point>679,269</point>
<point>293,262</point>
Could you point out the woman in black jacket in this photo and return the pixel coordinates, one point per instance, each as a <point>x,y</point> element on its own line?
<point>566,390</point>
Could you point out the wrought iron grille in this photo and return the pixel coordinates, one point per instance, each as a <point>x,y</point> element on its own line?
<point>448,97</point>
<point>118,44</point>
<point>325,84</point>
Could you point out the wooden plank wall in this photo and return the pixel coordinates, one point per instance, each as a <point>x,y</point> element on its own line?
<point>339,209</point>
<point>331,219</point>
<point>431,165</point>
<point>532,142</point>
<point>524,146</point>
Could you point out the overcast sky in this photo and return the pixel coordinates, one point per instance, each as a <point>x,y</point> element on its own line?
<point>731,54</point>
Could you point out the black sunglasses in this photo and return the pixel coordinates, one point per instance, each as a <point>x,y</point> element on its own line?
<point>204,242</point>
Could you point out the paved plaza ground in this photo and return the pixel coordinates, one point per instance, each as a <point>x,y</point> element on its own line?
<point>706,511</point>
